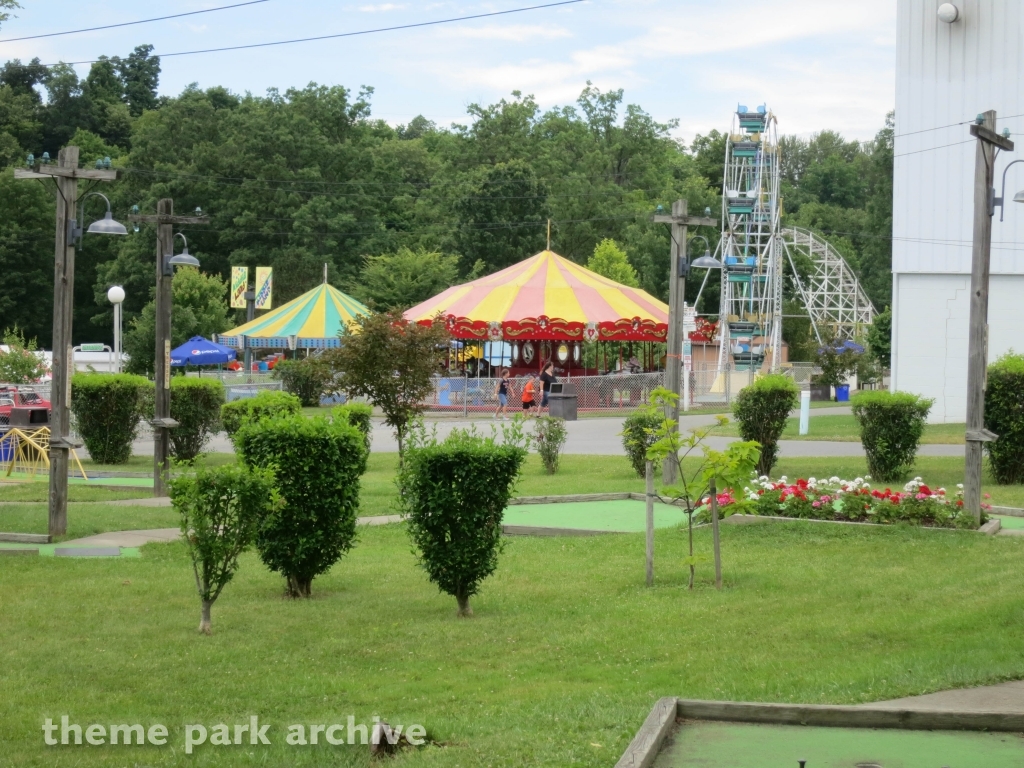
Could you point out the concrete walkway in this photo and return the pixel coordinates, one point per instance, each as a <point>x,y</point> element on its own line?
<point>1003,697</point>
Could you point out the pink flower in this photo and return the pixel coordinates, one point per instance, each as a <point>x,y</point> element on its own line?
<point>816,504</point>
<point>920,496</point>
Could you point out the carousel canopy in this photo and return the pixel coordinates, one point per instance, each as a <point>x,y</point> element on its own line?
<point>314,320</point>
<point>547,297</point>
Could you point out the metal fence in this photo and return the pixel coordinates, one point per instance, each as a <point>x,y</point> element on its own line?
<point>239,385</point>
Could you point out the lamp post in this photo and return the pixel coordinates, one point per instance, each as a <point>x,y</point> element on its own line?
<point>166,261</point>
<point>66,174</point>
<point>115,295</point>
<point>707,261</point>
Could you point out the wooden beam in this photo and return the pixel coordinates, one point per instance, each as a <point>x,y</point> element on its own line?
<point>991,137</point>
<point>161,219</point>
<point>51,171</point>
<point>691,221</point>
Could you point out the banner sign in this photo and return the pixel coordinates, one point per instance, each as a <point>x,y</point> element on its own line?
<point>239,285</point>
<point>264,287</point>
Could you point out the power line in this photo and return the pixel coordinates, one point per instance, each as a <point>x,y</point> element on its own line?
<point>929,149</point>
<point>130,23</point>
<point>347,34</point>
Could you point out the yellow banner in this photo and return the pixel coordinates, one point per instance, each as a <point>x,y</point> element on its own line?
<point>239,285</point>
<point>264,287</point>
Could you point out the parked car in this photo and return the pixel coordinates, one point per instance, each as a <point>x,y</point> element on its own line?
<point>13,397</point>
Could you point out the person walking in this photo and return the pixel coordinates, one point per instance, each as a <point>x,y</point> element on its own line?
<point>528,396</point>
<point>547,378</point>
<point>502,392</point>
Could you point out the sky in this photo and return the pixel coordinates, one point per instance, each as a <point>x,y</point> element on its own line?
<point>817,64</point>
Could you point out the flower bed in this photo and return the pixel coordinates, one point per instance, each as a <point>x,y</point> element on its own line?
<point>849,500</point>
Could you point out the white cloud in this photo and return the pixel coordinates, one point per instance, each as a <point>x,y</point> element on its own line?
<point>516,33</point>
<point>382,8</point>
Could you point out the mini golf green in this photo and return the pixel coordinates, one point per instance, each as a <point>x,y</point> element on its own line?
<point>130,482</point>
<point>46,550</point>
<point>707,744</point>
<point>1010,523</point>
<point>624,516</point>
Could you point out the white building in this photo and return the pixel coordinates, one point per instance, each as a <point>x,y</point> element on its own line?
<point>947,73</point>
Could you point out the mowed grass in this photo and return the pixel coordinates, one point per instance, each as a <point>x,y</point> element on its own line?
<point>564,658</point>
<point>38,491</point>
<point>845,429</point>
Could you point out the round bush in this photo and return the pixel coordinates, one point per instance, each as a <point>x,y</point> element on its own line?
<point>267,403</point>
<point>761,410</point>
<point>107,409</point>
<point>317,463</point>
<point>195,405</point>
<point>638,435</point>
<point>309,378</point>
<point>359,415</point>
<point>1004,415</point>
<point>891,425</point>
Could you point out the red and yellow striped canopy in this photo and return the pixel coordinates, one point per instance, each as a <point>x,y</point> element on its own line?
<point>547,297</point>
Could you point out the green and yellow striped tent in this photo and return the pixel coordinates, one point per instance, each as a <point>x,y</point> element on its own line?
<point>314,320</point>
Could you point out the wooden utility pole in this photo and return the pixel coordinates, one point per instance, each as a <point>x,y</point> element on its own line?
<point>162,421</point>
<point>676,298</point>
<point>977,339</point>
<point>66,174</point>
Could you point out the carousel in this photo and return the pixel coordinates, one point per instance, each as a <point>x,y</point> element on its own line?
<point>548,308</point>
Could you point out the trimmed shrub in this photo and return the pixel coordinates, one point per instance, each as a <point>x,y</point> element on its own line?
<point>549,436</point>
<point>309,378</point>
<point>195,405</point>
<point>107,409</point>
<point>891,425</point>
<point>317,463</point>
<point>761,410</point>
<point>455,493</point>
<point>359,415</point>
<point>638,434</point>
<point>265,404</point>
<point>1004,415</point>
<point>220,512</point>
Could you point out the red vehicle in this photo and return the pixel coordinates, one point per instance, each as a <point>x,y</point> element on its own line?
<point>12,397</point>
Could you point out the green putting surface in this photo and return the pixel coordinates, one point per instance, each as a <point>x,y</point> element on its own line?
<point>128,482</point>
<point>700,744</point>
<point>626,516</point>
<point>1011,523</point>
<point>46,550</point>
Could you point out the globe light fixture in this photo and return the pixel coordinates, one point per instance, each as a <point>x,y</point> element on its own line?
<point>948,13</point>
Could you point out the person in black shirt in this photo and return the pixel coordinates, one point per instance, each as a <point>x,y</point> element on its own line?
<point>547,378</point>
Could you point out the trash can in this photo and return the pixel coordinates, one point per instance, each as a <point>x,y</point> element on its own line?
<point>562,406</point>
<point>843,393</point>
<point>6,446</point>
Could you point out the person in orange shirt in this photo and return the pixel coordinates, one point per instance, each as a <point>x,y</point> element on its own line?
<point>528,393</point>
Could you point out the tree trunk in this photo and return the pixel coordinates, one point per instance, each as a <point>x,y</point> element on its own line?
<point>204,622</point>
<point>689,518</point>
<point>464,609</point>
<point>298,587</point>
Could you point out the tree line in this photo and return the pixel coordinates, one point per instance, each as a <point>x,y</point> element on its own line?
<point>306,177</point>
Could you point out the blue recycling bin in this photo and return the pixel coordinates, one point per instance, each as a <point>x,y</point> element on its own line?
<point>843,393</point>
<point>6,447</point>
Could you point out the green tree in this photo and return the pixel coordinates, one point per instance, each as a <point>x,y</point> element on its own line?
<point>880,338</point>
<point>402,279</point>
<point>5,7</point>
<point>198,308</point>
<point>611,261</point>
<point>26,256</point>
<point>140,76</point>
<point>391,362</point>
<point>20,364</point>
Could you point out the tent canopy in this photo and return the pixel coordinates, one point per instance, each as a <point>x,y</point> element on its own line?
<point>547,297</point>
<point>314,320</point>
<point>199,351</point>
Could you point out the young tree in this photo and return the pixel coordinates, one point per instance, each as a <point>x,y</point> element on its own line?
<point>391,362</point>
<point>880,337</point>
<point>402,279</point>
<point>20,364</point>
<point>611,261</point>
<point>220,511</point>
<point>717,470</point>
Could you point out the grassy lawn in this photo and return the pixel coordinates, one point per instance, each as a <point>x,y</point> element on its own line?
<point>844,428</point>
<point>565,656</point>
<point>38,492</point>
<point>86,519</point>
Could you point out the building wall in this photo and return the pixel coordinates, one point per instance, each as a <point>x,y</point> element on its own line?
<point>945,75</point>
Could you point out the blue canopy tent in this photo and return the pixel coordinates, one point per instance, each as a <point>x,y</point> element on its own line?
<point>199,351</point>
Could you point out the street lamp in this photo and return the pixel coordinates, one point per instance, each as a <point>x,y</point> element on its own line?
<point>1018,198</point>
<point>183,259</point>
<point>707,261</point>
<point>105,226</point>
<point>115,295</point>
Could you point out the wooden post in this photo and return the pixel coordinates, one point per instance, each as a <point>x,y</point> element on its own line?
<point>162,359</point>
<point>676,296</point>
<point>650,523</point>
<point>977,339</point>
<point>714,535</point>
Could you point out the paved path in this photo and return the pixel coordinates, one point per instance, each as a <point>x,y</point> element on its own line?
<point>1003,697</point>
<point>600,436</point>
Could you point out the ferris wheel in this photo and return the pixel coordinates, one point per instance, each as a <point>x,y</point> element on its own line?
<point>750,320</point>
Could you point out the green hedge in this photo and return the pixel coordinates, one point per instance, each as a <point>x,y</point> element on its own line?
<point>309,378</point>
<point>761,410</point>
<point>1004,415</point>
<point>638,435</point>
<point>195,404</point>
<point>891,425</point>
<point>107,409</point>
<point>317,463</point>
<point>359,415</point>
<point>267,403</point>
<point>455,493</point>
